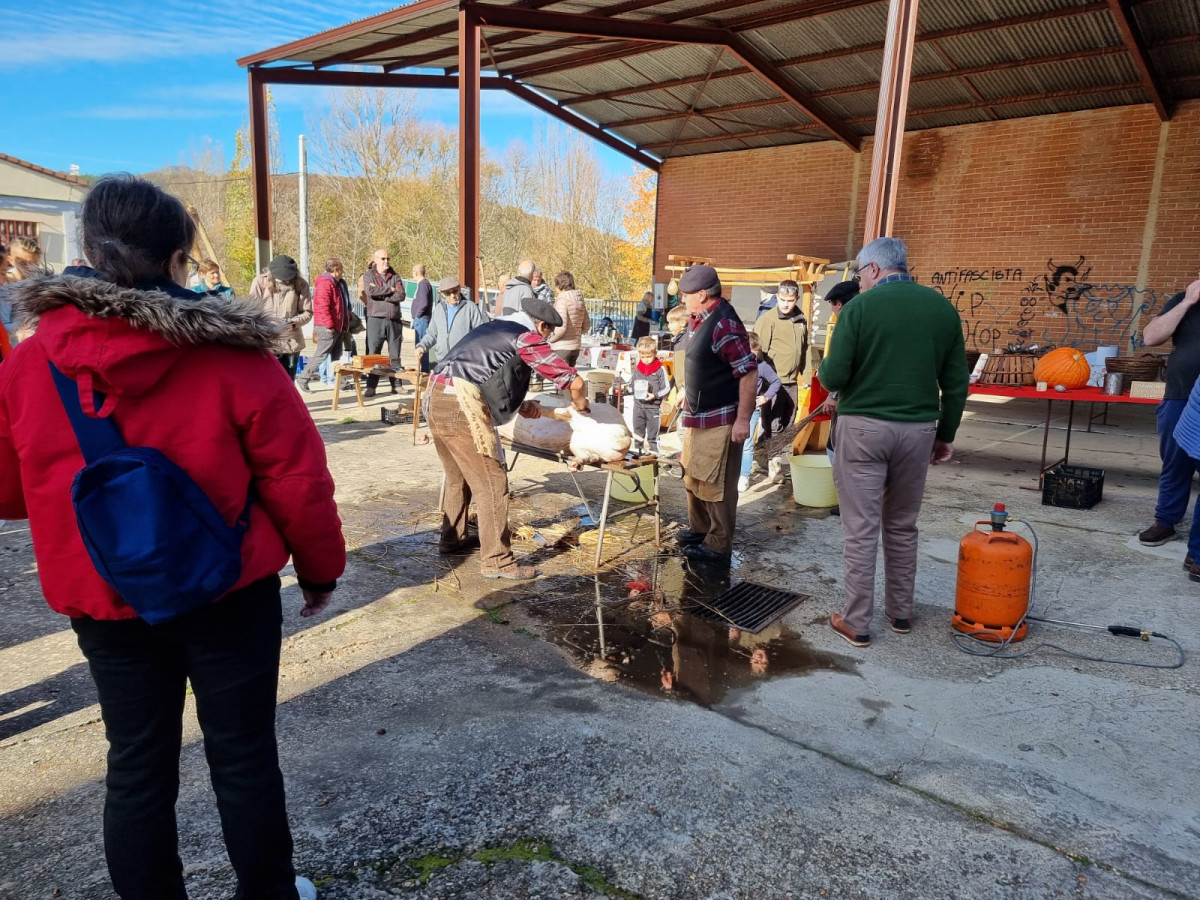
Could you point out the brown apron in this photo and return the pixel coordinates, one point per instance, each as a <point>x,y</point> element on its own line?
<point>705,452</point>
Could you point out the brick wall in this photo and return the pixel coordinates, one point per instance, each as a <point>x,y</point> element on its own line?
<point>1050,229</point>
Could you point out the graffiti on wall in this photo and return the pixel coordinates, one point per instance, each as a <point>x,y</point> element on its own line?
<point>974,293</point>
<point>1059,306</point>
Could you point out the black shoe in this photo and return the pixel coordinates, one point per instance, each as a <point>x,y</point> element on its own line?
<point>302,383</point>
<point>1188,562</point>
<point>1156,535</point>
<point>466,545</point>
<point>687,536</point>
<point>901,626</point>
<point>369,392</point>
<point>395,390</point>
<point>700,553</point>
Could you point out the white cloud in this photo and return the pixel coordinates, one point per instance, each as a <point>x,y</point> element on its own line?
<point>72,32</point>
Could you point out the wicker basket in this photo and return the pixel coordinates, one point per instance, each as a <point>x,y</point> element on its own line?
<point>1135,368</point>
<point>1011,369</point>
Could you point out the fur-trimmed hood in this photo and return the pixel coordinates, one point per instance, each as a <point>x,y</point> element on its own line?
<point>128,337</point>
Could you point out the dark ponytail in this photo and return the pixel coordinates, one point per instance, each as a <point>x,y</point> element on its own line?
<point>132,228</point>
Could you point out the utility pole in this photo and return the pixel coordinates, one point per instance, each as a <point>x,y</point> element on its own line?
<point>304,270</point>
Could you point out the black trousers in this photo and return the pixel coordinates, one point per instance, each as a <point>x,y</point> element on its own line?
<point>380,332</point>
<point>229,651</point>
<point>289,362</point>
<point>783,411</point>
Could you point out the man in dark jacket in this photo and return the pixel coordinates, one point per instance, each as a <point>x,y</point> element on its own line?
<point>331,319</point>
<point>383,292</point>
<point>422,309</point>
<point>479,385</point>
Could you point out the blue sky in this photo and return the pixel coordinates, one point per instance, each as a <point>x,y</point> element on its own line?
<point>132,85</point>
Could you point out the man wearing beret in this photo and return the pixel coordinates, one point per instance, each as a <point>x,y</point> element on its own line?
<point>480,384</point>
<point>719,399</point>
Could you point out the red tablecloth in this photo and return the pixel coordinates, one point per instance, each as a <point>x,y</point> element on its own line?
<point>1086,395</point>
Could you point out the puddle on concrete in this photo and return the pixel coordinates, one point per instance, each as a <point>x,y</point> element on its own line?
<point>631,625</point>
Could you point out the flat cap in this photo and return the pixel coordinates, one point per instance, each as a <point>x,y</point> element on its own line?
<point>448,284</point>
<point>542,310</point>
<point>699,278</point>
<point>284,268</point>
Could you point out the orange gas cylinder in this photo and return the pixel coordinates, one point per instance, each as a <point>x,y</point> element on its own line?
<point>994,572</point>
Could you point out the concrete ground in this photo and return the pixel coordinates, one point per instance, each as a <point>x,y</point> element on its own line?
<point>443,738</point>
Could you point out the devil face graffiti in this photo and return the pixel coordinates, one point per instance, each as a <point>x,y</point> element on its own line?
<point>1065,283</point>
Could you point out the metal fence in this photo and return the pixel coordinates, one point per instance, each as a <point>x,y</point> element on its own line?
<point>620,311</point>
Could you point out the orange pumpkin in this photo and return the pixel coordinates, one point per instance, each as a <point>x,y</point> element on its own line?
<point>1065,366</point>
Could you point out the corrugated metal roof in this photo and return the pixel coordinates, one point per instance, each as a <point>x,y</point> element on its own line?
<point>1024,57</point>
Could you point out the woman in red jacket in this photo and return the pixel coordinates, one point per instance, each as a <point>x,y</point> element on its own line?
<point>193,377</point>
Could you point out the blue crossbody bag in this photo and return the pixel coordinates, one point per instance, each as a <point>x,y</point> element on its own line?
<point>153,535</point>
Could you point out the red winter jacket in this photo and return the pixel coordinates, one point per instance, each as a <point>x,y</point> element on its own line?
<point>192,376</point>
<point>331,303</point>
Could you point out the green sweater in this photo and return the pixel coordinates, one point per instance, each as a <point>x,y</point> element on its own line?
<point>893,347</point>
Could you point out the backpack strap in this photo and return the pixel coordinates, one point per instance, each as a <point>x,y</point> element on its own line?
<point>97,437</point>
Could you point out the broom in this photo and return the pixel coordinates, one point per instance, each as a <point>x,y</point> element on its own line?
<point>781,442</point>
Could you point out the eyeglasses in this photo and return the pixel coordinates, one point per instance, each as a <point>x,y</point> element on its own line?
<point>193,267</point>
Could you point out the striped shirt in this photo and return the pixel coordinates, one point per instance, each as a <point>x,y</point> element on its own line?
<point>729,341</point>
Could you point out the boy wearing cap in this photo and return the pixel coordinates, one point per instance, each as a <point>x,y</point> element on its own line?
<point>452,319</point>
<point>280,291</point>
<point>480,384</point>
<point>718,401</point>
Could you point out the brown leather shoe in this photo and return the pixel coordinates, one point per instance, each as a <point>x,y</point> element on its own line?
<point>838,624</point>
<point>1156,535</point>
<point>1194,572</point>
<point>512,573</point>
<point>900,626</point>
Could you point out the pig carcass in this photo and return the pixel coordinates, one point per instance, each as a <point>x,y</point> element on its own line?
<point>594,437</point>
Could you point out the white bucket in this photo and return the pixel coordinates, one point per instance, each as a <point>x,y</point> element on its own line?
<point>636,487</point>
<point>812,480</point>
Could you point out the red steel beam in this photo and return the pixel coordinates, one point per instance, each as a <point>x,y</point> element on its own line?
<point>694,13</point>
<point>353,29</point>
<point>260,169</point>
<point>1123,17</point>
<point>891,111</point>
<point>329,78</point>
<point>704,112</point>
<point>567,63</point>
<point>515,19</point>
<point>549,107</point>
<point>798,97</point>
<point>469,148</point>
<point>912,113</point>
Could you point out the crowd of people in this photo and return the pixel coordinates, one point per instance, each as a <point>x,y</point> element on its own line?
<point>144,352</point>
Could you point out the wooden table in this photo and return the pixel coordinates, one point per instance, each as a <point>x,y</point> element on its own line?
<point>1091,395</point>
<point>418,379</point>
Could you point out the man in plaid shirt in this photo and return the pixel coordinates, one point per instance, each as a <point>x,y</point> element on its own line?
<point>719,399</point>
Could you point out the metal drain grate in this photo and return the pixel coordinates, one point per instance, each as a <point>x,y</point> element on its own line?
<point>748,606</point>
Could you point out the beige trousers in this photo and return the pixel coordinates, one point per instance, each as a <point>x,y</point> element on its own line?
<point>880,469</point>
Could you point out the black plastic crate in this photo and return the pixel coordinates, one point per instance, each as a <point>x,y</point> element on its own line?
<point>1073,487</point>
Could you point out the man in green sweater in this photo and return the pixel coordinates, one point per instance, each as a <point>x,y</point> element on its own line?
<point>895,346</point>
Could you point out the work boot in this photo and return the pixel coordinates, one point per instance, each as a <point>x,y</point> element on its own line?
<point>369,392</point>
<point>1156,535</point>
<point>838,624</point>
<point>700,553</point>
<point>687,536</point>
<point>512,573</point>
<point>1194,572</point>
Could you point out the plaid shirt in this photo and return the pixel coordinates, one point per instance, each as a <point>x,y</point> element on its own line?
<point>729,341</point>
<point>537,354</point>
<point>898,276</point>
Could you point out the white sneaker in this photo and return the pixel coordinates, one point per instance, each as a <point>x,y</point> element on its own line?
<point>305,888</point>
<point>743,484</point>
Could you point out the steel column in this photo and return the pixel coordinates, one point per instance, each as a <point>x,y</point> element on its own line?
<point>260,169</point>
<point>468,150</point>
<point>889,121</point>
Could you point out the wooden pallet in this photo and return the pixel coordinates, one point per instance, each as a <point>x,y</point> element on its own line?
<point>1010,369</point>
